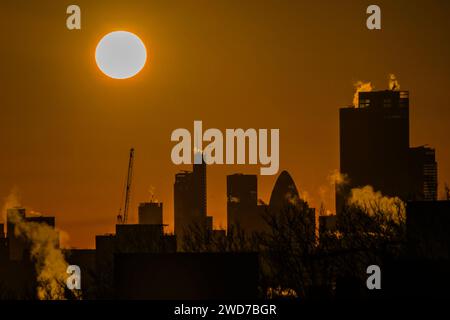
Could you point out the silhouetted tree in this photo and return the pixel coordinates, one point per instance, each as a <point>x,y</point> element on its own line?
<point>296,262</point>
<point>197,238</point>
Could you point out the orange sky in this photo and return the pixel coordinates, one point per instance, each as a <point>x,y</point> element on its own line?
<point>66,128</point>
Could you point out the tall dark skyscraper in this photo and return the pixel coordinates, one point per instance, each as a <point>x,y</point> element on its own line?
<point>423,173</point>
<point>199,185</point>
<point>242,201</point>
<point>190,200</point>
<point>374,146</point>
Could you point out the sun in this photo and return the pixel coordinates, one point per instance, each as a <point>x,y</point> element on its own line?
<point>120,54</point>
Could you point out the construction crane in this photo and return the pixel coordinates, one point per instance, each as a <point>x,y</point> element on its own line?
<point>123,215</point>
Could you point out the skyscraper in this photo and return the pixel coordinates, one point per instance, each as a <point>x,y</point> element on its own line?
<point>150,213</point>
<point>199,186</point>
<point>285,200</point>
<point>284,193</point>
<point>374,148</point>
<point>423,174</point>
<point>242,202</point>
<point>190,200</point>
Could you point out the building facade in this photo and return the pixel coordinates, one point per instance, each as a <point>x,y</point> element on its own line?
<point>375,150</point>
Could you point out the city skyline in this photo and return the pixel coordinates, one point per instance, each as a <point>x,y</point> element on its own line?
<point>170,228</point>
<point>66,128</point>
<point>385,219</point>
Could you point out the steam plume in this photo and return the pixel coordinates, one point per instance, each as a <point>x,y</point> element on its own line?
<point>44,251</point>
<point>295,199</point>
<point>374,202</point>
<point>11,201</point>
<point>153,198</point>
<point>360,87</point>
<point>393,83</point>
<point>337,179</point>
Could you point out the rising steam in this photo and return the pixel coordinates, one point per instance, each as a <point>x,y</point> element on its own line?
<point>360,87</point>
<point>153,197</point>
<point>234,199</point>
<point>337,179</point>
<point>44,252</point>
<point>11,201</point>
<point>375,203</point>
<point>393,83</point>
